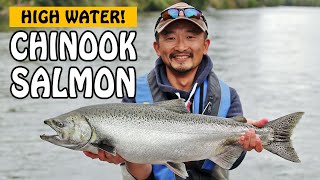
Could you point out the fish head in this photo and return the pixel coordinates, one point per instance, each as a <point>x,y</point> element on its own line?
<point>73,131</point>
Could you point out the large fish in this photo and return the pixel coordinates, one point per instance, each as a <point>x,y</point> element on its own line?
<point>165,133</point>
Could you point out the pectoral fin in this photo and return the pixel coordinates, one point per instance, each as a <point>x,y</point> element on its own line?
<point>178,168</point>
<point>105,147</point>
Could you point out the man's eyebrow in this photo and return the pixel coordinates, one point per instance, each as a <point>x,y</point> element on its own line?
<point>166,32</point>
<point>195,31</point>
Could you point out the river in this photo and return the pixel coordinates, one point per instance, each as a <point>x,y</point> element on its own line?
<point>270,55</point>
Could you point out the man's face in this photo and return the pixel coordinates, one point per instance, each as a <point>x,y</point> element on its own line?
<point>181,46</point>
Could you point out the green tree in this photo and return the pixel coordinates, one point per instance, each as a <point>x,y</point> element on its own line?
<point>199,4</point>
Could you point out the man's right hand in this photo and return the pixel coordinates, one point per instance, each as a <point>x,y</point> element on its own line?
<point>104,156</point>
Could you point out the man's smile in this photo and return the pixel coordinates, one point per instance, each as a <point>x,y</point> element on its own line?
<point>180,59</point>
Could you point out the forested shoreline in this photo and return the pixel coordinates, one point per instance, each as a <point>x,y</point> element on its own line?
<point>150,5</point>
<point>156,5</point>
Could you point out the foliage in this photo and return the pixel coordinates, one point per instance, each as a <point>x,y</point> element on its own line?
<point>227,4</point>
<point>156,5</point>
<point>198,4</point>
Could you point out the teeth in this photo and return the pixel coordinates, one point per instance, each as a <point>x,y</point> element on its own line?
<point>181,57</point>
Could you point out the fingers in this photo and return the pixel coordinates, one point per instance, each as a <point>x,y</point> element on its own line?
<point>259,146</point>
<point>118,159</point>
<point>261,123</point>
<point>91,155</point>
<point>247,140</point>
<point>241,140</point>
<point>251,141</point>
<point>104,156</point>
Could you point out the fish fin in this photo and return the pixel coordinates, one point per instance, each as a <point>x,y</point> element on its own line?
<point>281,144</point>
<point>227,155</point>
<point>90,148</point>
<point>178,168</point>
<point>105,147</point>
<point>176,105</point>
<point>239,119</point>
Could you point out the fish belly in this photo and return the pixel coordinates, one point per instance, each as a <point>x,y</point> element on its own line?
<point>150,146</point>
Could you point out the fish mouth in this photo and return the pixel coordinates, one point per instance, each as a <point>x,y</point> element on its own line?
<point>60,138</point>
<point>57,136</point>
<point>47,137</point>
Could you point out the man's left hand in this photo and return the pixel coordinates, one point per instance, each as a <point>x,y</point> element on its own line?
<point>250,140</point>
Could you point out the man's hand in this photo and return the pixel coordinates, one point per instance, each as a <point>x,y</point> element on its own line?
<point>250,140</point>
<point>104,156</point>
<point>139,171</point>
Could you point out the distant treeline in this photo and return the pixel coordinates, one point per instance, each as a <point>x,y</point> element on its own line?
<point>155,5</point>
<point>228,4</point>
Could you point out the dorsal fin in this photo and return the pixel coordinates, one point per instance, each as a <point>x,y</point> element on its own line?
<point>239,119</point>
<point>176,105</point>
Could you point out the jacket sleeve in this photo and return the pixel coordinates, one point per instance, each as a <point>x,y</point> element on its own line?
<point>236,110</point>
<point>235,104</point>
<point>128,100</point>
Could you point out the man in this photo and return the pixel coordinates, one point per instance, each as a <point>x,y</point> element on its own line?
<point>183,70</point>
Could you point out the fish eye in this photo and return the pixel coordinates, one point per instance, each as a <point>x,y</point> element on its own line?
<point>58,123</point>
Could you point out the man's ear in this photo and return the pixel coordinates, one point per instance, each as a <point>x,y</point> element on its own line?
<point>206,46</point>
<point>156,47</point>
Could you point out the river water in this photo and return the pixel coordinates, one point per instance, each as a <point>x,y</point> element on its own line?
<point>270,55</point>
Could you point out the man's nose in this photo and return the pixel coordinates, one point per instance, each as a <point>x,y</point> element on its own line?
<point>181,46</point>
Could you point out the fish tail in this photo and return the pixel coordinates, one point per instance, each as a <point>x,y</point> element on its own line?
<point>281,144</point>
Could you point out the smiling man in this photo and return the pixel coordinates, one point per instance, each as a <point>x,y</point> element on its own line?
<point>181,46</point>
<point>184,70</point>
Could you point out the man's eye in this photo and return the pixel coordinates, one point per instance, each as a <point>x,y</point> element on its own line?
<point>190,37</point>
<point>170,38</point>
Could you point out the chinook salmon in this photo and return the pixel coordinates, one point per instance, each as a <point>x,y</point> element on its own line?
<point>165,133</point>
